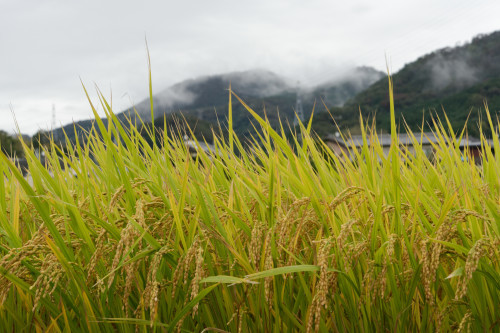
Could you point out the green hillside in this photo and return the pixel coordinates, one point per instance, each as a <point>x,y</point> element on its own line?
<point>457,80</point>
<point>206,99</point>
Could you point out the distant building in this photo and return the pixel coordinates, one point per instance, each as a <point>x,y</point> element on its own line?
<point>194,146</point>
<point>427,140</point>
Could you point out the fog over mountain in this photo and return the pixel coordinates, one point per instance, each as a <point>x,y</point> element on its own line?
<point>178,94</point>
<point>452,72</point>
<point>358,76</point>
<point>337,91</point>
<point>256,83</point>
<point>455,68</point>
<point>206,97</point>
<point>457,79</point>
<point>212,91</point>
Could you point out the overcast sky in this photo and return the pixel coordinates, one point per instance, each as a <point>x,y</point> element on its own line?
<point>46,46</point>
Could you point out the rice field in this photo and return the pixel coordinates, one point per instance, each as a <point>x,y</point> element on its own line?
<point>284,236</point>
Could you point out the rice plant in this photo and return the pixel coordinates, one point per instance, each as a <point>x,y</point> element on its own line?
<point>114,235</point>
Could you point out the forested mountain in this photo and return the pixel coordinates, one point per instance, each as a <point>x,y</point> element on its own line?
<point>457,79</point>
<point>10,144</point>
<point>206,98</point>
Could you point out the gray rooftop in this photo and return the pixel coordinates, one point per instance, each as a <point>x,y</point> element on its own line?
<point>427,138</point>
<point>192,145</point>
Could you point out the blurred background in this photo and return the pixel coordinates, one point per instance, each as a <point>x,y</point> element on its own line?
<point>316,50</point>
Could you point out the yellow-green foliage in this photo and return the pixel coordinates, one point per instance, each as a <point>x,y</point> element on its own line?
<point>130,237</point>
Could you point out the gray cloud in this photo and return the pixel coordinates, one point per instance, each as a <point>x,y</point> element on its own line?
<point>258,82</point>
<point>359,77</point>
<point>177,94</point>
<point>48,45</point>
<point>251,83</point>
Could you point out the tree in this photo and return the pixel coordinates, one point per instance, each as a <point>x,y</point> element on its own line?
<point>11,146</point>
<point>40,139</point>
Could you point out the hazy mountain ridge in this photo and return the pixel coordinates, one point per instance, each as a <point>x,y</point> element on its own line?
<point>336,92</point>
<point>456,78</point>
<point>210,91</point>
<point>206,98</point>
